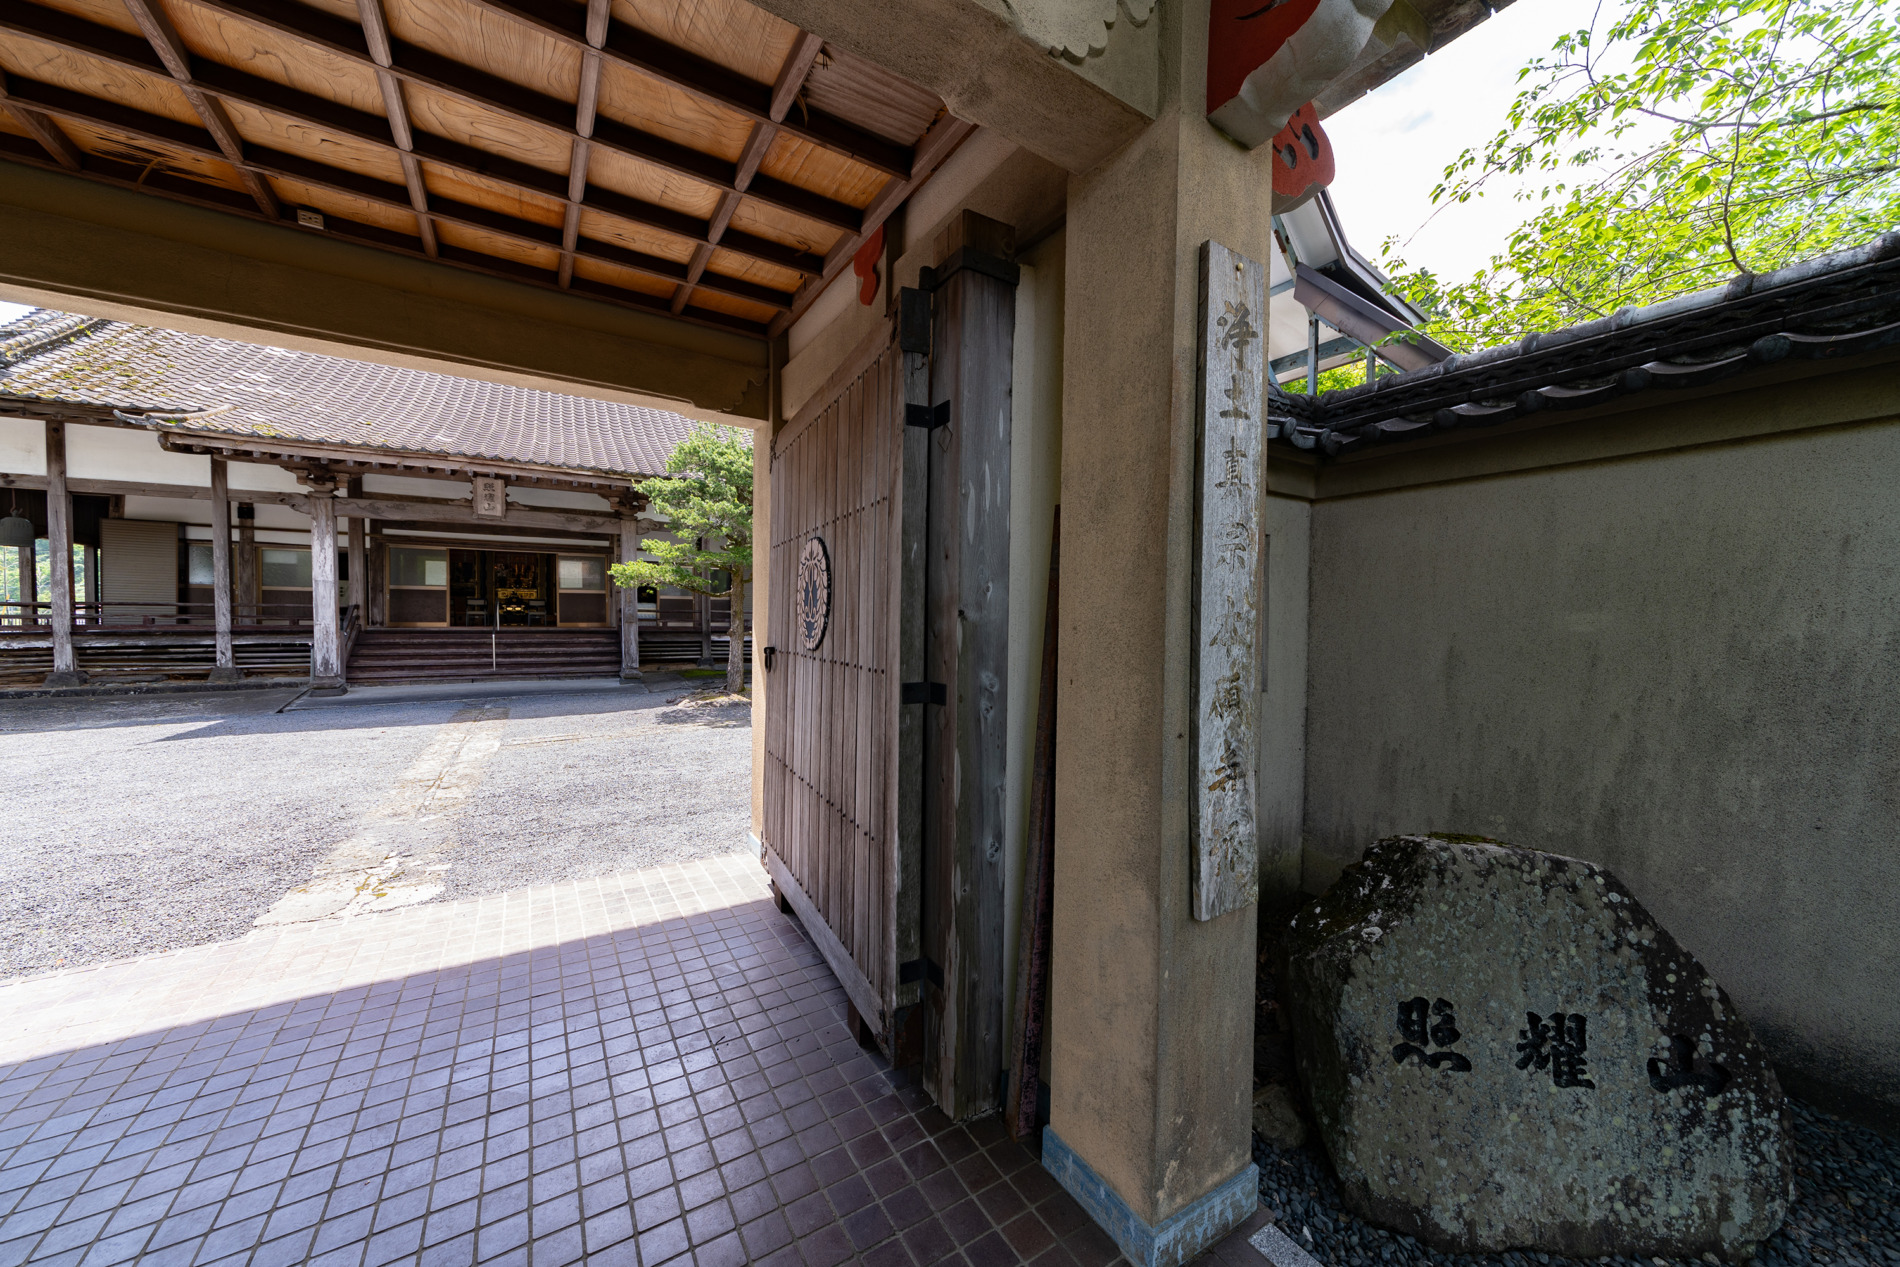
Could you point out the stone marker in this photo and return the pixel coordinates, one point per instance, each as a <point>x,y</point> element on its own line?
<point>1504,1051</point>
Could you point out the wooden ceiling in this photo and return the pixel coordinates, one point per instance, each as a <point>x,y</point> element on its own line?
<point>694,157</point>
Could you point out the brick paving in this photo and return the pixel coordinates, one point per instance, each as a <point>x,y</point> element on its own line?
<point>646,1069</point>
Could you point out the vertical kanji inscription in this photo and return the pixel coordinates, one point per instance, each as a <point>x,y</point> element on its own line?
<point>1227,580</point>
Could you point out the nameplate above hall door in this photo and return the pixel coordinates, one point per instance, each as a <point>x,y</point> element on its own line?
<point>887,673</point>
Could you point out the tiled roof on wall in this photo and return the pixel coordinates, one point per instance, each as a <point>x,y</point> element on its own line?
<point>249,390</point>
<point>1838,305</point>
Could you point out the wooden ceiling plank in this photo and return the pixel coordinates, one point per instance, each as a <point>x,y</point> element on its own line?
<point>171,50</point>
<point>639,51</point>
<point>791,78</point>
<point>938,144</point>
<point>444,74</point>
<point>112,46</point>
<point>376,35</point>
<point>586,105</point>
<point>43,130</point>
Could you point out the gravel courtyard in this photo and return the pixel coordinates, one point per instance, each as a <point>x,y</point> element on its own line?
<point>146,824</point>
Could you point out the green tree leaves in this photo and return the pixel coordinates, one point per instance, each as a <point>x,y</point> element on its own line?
<point>1688,141</point>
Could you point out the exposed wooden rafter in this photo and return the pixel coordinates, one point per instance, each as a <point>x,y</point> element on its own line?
<point>171,50</point>
<point>376,32</point>
<point>586,103</point>
<point>105,44</point>
<point>938,144</point>
<point>791,81</point>
<point>43,130</point>
<point>418,65</point>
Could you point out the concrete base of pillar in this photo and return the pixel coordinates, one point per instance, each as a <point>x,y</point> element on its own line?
<point>76,677</point>
<point>326,687</point>
<point>632,675</point>
<point>1177,1238</point>
<point>224,677</point>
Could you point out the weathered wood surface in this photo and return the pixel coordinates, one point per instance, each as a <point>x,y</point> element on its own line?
<point>966,649</point>
<point>629,601</point>
<point>359,566</point>
<point>908,629</point>
<point>423,510</point>
<point>1039,875</point>
<point>139,488</point>
<point>1230,462</point>
<point>326,666</point>
<point>221,566</point>
<point>59,545</point>
<point>831,732</point>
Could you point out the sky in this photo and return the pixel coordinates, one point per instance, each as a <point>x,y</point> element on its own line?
<point>1392,146</point>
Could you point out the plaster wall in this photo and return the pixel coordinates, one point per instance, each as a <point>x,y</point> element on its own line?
<point>1682,664</point>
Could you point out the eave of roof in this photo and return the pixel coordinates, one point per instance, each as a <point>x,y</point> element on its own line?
<point>1835,306</point>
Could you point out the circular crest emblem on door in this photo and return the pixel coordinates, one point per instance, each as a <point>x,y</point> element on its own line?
<point>811,602</point>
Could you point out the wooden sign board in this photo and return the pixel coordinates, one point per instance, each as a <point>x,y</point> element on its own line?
<point>1230,471</point>
<point>491,497</point>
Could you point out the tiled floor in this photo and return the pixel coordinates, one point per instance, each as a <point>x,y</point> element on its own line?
<point>647,1069</point>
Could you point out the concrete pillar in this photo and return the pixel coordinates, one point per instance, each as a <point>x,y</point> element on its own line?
<point>1151,1010</point>
<point>326,667</point>
<point>224,664</point>
<point>244,577</point>
<point>59,549</point>
<point>629,601</point>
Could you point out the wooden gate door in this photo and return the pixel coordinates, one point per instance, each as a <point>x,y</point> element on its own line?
<point>832,743</point>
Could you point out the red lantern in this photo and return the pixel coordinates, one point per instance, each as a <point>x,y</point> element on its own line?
<point>1302,160</point>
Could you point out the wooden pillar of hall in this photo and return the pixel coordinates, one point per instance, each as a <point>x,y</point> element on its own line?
<point>59,547</point>
<point>629,600</point>
<point>244,573</point>
<point>224,665</point>
<point>326,666</point>
<point>359,568</point>
<point>29,563</point>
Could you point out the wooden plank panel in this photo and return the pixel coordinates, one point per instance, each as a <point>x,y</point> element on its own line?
<point>777,225</point>
<point>110,13</point>
<point>663,110</point>
<point>296,193</point>
<point>635,237</point>
<point>746,269</point>
<point>273,55</point>
<point>732,33</point>
<point>625,278</point>
<point>520,252</point>
<point>146,153</point>
<point>732,304</point>
<point>635,179</point>
<point>264,127</point>
<point>511,200</point>
<point>31,59</point>
<point>825,171</point>
<point>510,137</point>
<point>869,96</point>
<point>489,42</point>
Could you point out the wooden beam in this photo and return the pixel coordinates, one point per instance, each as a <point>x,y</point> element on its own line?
<point>461,531</point>
<point>638,51</point>
<point>518,517</point>
<point>224,667</point>
<point>791,80</point>
<point>59,549</point>
<point>43,130</point>
<point>376,35</point>
<point>344,459</point>
<point>101,113</point>
<point>419,65</point>
<point>92,40</point>
<point>586,105</point>
<point>135,488</point>
<point>938,144</point>
<point>171,50</point>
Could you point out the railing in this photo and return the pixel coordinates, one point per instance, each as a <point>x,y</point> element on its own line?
<point>94,616</point>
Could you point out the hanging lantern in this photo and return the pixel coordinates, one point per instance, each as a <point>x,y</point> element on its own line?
<point>16,529</point>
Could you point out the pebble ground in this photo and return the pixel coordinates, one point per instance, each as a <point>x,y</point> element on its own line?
<point>1846,1209</point>
<point>144,824</point>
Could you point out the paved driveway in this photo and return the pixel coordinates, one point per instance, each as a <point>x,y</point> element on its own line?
<point>138,825</point>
